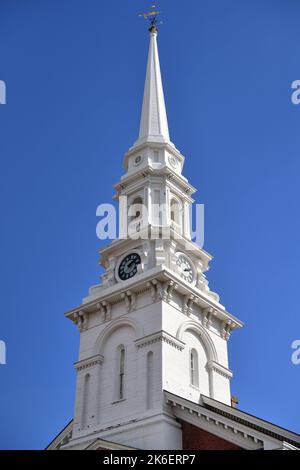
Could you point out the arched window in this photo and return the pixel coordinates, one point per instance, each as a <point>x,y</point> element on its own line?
<point>150,380</point>
<point>85,401</point>
<point>135,214</point>
<point>194,368</point>
<point>136,208</point>
<point>176,212</point>
<point>121,372</point>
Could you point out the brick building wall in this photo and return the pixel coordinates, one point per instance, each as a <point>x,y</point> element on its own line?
<point>194,438</point>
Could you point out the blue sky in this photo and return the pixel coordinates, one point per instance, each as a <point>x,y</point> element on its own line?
<point>75,74</point>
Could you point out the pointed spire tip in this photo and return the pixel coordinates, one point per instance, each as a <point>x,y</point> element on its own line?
<point>154,121</point>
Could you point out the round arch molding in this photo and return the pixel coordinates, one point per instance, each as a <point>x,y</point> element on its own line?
<point>204,336</point>
<point>113,326</point>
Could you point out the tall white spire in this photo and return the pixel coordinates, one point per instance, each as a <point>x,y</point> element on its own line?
<point>154,122</point>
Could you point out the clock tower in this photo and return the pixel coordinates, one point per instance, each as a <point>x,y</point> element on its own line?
<point>152,327</point>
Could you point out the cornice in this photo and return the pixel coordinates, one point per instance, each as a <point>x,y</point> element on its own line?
<point>219,369</point>
<point>162,283</point>
<point>205,419</point>
<point>62,438</point>
<point>160,336</point>
<point>148,172</point>
<point>88,363</point>
<point>267,428</point>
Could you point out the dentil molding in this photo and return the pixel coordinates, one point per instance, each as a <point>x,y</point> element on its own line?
<point>160,336</point>
<point>88,363</point>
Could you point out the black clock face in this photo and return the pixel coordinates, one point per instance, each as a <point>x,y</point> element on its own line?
<point>129,266</point>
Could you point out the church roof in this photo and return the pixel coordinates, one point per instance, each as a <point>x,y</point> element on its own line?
<point>64,437</point>
<point>239,427</point>
<point>230,424</point>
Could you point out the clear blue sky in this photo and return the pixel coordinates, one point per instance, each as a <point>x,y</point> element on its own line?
<point>75,74</point>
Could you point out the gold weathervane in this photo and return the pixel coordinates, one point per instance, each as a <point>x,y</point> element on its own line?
<point>152,17</point>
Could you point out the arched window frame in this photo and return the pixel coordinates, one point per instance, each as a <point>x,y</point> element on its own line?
<point>176,215</point>
<point>194,368</point>
<point>137,200</point>
<point>85,401</point>
<point>120,372</point>
<point>150,380</point>
<point>135,219</point>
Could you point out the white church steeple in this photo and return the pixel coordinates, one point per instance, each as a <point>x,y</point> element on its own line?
<point>152,371</point>
<point>153,325</point>
<point>154,122</point>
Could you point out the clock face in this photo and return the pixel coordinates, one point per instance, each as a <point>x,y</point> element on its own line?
<point>129,266</point>
<point>185,268</point>
<point>173,161</point>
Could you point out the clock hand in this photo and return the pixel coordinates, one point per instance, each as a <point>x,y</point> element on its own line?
<point>128,266</point>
